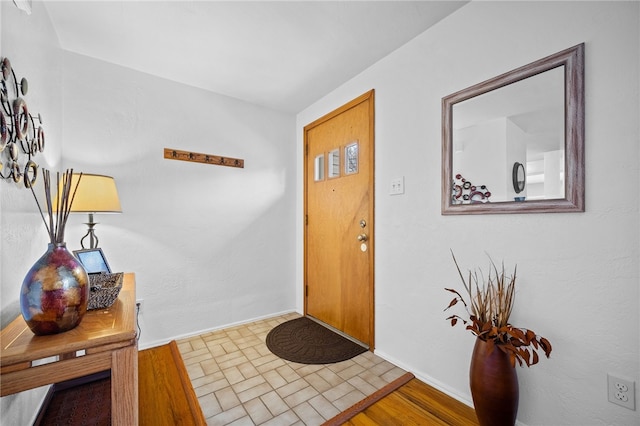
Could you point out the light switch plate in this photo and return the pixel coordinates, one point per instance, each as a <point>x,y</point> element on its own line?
<point>397,186</point>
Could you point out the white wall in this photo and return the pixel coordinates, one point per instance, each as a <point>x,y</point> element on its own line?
<point>484,156</point>
<point>210,245</point>
<point>32,47</point>
<point>578,273</point>
<point>35,56</point>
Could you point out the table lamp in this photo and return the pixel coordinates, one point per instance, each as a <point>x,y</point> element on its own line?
<point>95,194</point>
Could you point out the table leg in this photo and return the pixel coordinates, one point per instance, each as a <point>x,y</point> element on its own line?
<point>124,386</point>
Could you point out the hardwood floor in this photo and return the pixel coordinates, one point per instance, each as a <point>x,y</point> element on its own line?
<point>415,403</point>
<point>167,398</point>
<point>166,395</point>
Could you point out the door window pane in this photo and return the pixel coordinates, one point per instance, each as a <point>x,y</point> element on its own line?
<point>334,163</point>
<point>351,158</point>
<point>318,168</point>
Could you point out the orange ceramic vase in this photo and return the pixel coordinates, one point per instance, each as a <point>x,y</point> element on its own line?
<point>494,386</point>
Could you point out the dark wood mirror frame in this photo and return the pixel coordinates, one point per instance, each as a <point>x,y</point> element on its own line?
<point>573,61</point>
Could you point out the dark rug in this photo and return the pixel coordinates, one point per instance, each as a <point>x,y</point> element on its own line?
<point>79,405</point>
<point>304,341</point>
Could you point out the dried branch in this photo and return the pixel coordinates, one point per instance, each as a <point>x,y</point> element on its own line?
<point>490,306</point>
<point>64,200</point>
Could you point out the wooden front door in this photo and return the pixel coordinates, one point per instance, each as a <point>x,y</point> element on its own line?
<point>339,219</point>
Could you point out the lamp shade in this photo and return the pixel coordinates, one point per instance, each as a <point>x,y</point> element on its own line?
<point>95,194</point>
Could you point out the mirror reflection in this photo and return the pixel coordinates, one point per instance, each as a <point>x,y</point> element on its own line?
<point>515,143</point>
<point>522,122</point>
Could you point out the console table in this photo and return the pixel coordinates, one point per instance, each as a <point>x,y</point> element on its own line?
<point>105,339</point>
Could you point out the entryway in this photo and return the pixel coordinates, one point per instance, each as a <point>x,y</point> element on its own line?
<point>339,219</point>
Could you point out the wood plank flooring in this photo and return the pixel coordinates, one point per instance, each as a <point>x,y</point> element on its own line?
<point>416,403</point>
<point>167,398</point>
<point>166,395</point>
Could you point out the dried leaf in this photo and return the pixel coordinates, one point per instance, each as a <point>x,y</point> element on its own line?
<point>546,346</point>
<point>536,358</point>
<point>518,334</point>
<point>453,302</point>
<point>513,358</point>
<point>531,336</point>
<point>491,301</point>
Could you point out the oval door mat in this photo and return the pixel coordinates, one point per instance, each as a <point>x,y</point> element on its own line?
<point>304,341</point>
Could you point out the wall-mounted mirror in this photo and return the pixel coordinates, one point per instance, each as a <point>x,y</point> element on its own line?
<point>526,125</point>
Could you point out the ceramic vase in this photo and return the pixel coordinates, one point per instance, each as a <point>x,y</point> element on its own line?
<point>55,292</point>
<point>494,386</point>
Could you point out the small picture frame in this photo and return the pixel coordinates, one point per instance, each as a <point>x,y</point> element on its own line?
<point>93,261</point>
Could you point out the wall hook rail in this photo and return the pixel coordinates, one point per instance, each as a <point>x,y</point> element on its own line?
<point>196,157</point>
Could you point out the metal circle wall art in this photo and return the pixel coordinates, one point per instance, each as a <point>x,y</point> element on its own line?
<point>464,192</point>
<point>20,139</point>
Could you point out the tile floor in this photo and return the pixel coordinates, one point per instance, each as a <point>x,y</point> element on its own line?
<point>239,382</point>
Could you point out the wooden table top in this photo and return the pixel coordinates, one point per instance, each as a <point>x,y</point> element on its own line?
<point>98,328</point>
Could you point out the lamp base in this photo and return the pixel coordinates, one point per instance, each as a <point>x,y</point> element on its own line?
<point>93,239</point>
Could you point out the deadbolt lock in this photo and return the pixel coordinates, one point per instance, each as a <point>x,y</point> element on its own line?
<point>363,223</point>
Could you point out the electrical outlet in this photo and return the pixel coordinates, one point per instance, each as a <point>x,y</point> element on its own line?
<point>621,392</point>
<point>139,305</point>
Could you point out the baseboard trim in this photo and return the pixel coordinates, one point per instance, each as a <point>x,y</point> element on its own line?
<point>160,342</point>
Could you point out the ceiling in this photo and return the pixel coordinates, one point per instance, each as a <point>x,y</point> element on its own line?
<point>284,55</point>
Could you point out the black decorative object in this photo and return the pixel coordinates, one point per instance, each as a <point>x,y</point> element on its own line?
<point>519,177</point>
<point>20,139</point>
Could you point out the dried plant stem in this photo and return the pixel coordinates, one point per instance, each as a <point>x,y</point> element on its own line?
<point>64,200</point>
<point>490,305</point>
<point>40,208</point>
<point>492,299</point>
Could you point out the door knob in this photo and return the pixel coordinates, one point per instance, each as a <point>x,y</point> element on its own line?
<point>363,237</point>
